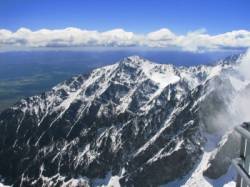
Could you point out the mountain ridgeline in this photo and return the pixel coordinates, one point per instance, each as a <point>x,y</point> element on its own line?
<point>133,123</point>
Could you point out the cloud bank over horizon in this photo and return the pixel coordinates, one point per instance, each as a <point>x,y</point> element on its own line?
<point>195,41</point>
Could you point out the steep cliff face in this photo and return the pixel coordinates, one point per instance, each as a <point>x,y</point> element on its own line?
<point>134,123</point>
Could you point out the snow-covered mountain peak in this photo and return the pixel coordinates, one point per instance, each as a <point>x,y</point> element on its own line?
<point>148,68</point>
<point>135,58</point>
<point>123,120</point>
<point>231,60</point>
<point>133,61</point>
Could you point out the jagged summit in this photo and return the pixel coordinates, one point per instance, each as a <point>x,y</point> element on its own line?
<point>135,58</point>
<point>133,61</point>
<point>231,60</point>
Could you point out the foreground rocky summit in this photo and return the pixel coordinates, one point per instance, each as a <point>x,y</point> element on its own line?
<point>134,123</point>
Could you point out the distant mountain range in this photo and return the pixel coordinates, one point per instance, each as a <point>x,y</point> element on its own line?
<point>133,123</point>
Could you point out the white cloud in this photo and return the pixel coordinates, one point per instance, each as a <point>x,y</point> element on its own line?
<point>161,35</point>
<point>195,41</point>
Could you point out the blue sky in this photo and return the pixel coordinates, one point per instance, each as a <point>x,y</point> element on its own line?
<point>140,16</point>
<point>187,25</point>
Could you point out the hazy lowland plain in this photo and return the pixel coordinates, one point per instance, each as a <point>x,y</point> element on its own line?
<point>24,74</point>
